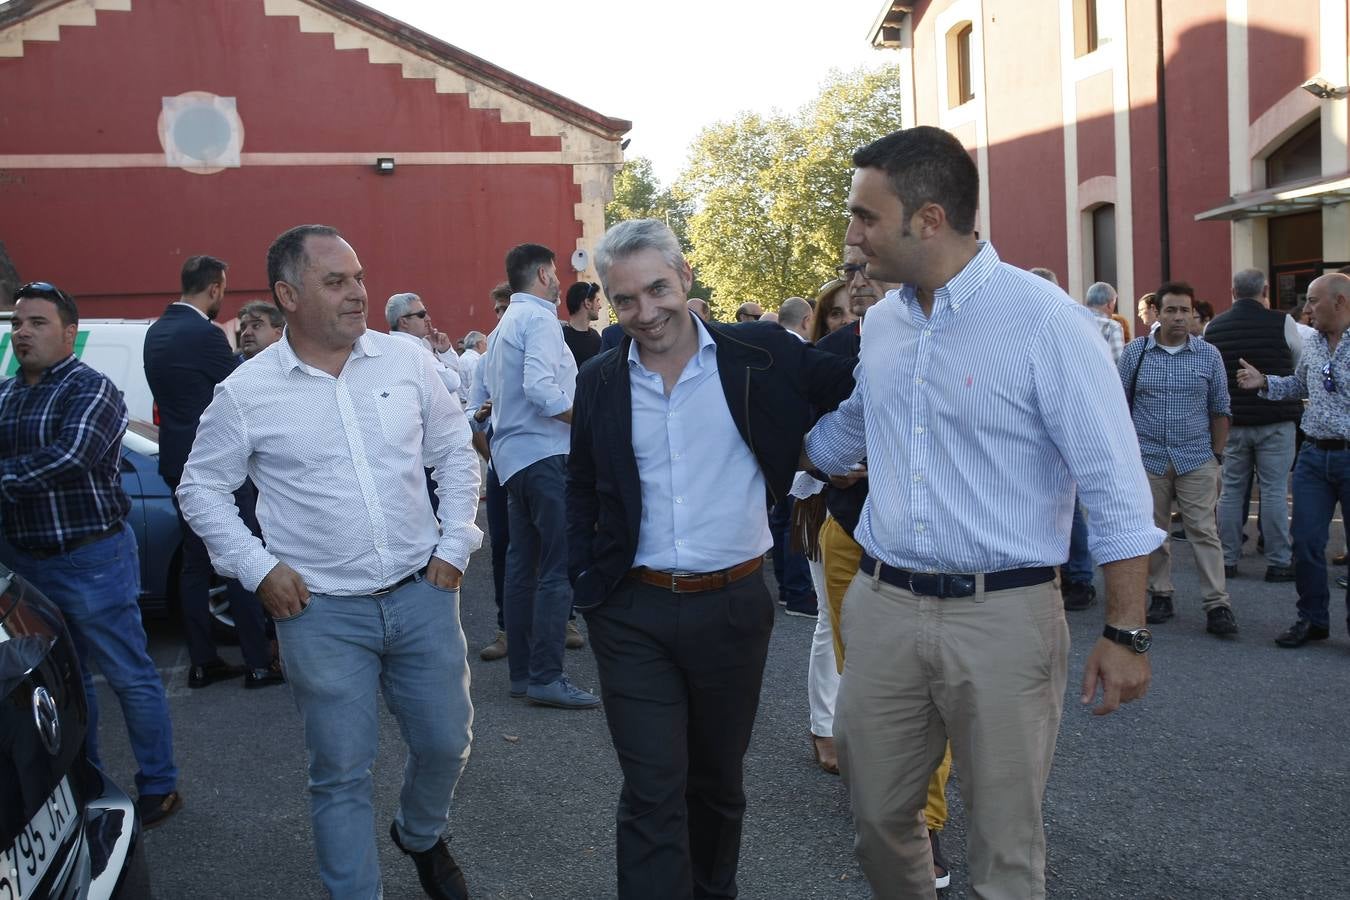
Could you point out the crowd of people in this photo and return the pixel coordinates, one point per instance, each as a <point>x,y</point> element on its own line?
<point>933,495</point>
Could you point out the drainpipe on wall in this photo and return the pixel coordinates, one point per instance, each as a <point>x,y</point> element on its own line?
<point>1164,212</point>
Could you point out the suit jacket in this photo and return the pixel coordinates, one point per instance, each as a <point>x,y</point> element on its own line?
<point>185,358</point>
<point>773,382</point>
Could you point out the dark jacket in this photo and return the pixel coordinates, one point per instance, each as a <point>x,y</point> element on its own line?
<point>772,382</point>
<point>845,505</point>
<point>185,358</point>
<point>1252,332</point>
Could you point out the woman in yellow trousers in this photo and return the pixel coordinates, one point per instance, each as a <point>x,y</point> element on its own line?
<point>840,556</point>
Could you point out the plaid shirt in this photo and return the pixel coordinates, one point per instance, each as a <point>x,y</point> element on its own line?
<point>60,443</point>
<point>1327,414</point>
<point>1176,396</point>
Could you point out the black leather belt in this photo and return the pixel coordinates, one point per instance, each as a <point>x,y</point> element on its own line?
<point>943,585</point>
<point>1329,443</point>
<point>49,552</point>
<point>406,579</point>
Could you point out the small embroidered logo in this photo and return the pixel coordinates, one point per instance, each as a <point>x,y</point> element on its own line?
<point>970,380</point>
<point>384,393</point>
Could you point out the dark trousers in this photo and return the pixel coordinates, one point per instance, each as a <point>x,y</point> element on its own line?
<point>499,536</point>
<point>680,677</point>
<point>194,599</point>
<point>790,568</point>
<point>537,595</point>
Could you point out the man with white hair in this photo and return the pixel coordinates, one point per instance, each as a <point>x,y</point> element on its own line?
<point>795,316</point>
<point>1099,299</point>
<point>408,318</point>
<point>475,345</point>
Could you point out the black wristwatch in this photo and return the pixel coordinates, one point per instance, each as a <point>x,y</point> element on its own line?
<point>1137,639</point>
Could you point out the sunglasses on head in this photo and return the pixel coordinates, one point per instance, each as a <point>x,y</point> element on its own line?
<point>1328,379</point>
<point>39,289</point>
<point>420,314</point>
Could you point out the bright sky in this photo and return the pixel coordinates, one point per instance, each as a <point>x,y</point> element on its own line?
<point>669,68</point>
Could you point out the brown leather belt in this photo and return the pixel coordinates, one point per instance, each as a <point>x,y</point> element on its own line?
<point>49,552</point>
<point>695,582</point>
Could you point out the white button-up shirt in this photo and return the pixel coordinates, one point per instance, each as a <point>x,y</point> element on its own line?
<point>338,462</point>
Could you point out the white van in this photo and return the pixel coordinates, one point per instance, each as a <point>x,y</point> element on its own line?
<point>114,347</point>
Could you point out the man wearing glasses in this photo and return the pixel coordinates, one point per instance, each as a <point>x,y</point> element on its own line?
<point>64,515</point>
<point>1322,472</point>
<point>749,311</point>
<point>408,318</point>
<point>1178,393</point>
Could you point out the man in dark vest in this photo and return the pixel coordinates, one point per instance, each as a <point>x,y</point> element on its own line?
<point>1263,432</point>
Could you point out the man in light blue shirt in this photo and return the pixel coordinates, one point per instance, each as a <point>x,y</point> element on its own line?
<point>531,377</point>
<point>954,628</point>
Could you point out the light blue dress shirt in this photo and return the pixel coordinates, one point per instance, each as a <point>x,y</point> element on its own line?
<point>1175,396</point>
<point>704,504</point>
<point>531,377</point>
<point>975,435</point>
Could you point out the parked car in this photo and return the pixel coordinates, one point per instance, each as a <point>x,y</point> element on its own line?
<point>158,535</point>
<point>66,829</point>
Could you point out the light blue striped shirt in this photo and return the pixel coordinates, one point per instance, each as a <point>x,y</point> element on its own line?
<point>531,377</point>
<point>704,504</point>
<point>975,434</point>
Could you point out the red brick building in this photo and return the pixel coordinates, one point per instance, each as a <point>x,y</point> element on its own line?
<point>1131,140</point>
<point>134,133</point>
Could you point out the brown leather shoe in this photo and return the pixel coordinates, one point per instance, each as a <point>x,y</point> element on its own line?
<point>574,639</point>
<point>494,650</point>
<point>826,757</point>
<point>155,808</point>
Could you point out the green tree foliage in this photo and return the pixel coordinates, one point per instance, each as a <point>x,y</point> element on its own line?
<point>638,195</point>
<point>766,195</point>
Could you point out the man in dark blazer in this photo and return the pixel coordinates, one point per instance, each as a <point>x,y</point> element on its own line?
<point>186,356</point>
<point>681,437</point>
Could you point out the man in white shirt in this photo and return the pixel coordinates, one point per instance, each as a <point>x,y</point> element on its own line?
<point>475,345</point>
<point>530,375</point>
<point>361,578</point>
<point>409,319</point>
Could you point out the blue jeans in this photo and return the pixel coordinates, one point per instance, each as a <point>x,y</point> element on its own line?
<point>96,587</point>
<point>538,596</point>
<point>790,568</point>
<point>339,652</point>
<point>1080,565</point>
<point>1321,479</point>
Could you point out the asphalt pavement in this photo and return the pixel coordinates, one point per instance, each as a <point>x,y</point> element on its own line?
<point>1230,780</point>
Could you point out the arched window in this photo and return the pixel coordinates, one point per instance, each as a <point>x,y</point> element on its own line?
<point>1104,244</point>
<point>960,85</point>
<point>1298,158</point>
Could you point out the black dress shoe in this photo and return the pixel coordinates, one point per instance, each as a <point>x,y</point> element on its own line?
<point>219,670</point>
<point>436,869</point>
<point>1279,573</point>
<point>1159,609</point>
<point>1301,632</point>
<point>261,678</point>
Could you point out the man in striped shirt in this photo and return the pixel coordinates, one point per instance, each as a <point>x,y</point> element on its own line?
<point>974,444</point>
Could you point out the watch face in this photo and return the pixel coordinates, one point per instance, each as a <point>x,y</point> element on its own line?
<point>1141,640</point>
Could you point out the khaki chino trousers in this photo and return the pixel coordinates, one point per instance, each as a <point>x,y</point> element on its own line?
<point>986,672</point>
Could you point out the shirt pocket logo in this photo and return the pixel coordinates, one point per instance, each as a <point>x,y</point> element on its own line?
<point>400,416</point>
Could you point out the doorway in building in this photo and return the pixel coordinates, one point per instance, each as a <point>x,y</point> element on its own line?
<point>1295,257</point>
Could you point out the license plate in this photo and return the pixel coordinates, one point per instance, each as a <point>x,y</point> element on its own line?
<point>23,865</point>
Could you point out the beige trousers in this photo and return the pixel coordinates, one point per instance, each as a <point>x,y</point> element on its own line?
<point>1197,496</point>
<point>988,673</point>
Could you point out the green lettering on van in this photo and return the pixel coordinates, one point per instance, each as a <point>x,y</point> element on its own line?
<point>12,361</point>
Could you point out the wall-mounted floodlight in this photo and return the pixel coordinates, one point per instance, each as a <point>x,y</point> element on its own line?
<point>1322,89</point>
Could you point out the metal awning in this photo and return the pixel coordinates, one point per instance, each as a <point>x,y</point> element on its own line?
<point>1300,196</point>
